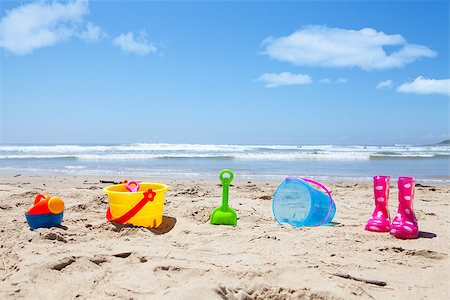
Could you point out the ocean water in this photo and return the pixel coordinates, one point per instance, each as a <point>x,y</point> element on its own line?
<point>326,162</point>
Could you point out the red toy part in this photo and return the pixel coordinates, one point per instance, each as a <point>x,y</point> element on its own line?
<point>40,197</point>
<point>43,204</point>
<point>149,196</point>
<point>40,208</point>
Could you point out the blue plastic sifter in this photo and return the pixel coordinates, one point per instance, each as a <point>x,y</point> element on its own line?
<point>295,202</point>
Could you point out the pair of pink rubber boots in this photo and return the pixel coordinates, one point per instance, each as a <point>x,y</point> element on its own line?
<point>404,225</point>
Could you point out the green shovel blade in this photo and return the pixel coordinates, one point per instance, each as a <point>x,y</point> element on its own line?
<point>224,214</point>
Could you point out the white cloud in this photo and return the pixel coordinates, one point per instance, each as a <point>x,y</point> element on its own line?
<point>325,80</point>
<point>422,85</point>
<point>336,47</point>
<point>387,84</point>
<point>272,80</point>
<point>140,45</point>
<point>92,33</point>
<point>328,80</point>
<point>41,24</point>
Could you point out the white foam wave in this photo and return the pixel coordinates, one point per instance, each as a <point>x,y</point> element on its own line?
<point>53,149</point>
<point>303,156</point>
<point>236,156</point>
<point>140,147</point>
<point>136,156</point>
<point>238,152</point>
<point>404,155</point>
<point>37,156</point>
<point>75,167</point>
<point>208,148</point>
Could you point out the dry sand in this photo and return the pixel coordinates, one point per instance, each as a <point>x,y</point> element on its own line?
<point>187,258</point>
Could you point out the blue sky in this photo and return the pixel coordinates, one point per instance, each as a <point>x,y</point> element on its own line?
<point>240,72</point>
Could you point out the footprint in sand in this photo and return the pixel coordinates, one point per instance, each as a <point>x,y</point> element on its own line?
<point>167,268</point>
<point>122,254</point>
<point>274,293</point>
<point>54,236</point>
<point>61,264</point>
<point>421,253</point>
<point>200,214</point>
<point>98,260</point>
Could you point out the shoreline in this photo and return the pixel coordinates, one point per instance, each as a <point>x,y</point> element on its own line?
<point>211,177</point>
<point>189,258</point>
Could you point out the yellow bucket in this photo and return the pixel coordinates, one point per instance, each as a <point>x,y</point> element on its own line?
<point>122,201</point>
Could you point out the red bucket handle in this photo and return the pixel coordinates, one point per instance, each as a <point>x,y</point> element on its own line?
<point>149,196</point>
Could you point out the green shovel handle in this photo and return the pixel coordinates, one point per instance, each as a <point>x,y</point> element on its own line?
<point>226,181</point>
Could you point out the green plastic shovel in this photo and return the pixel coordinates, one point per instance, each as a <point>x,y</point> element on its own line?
<point>224,215</point>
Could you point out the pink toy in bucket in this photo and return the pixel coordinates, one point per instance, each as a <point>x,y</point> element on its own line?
<point>133,186</point>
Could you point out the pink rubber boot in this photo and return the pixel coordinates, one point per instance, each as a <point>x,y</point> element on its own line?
<point>404,225</point>
<point>379,221</point>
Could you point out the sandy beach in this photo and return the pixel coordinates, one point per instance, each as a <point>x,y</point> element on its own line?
<point>187,258</point>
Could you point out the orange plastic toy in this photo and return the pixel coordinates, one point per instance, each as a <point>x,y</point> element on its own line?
<point>43,204</point>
